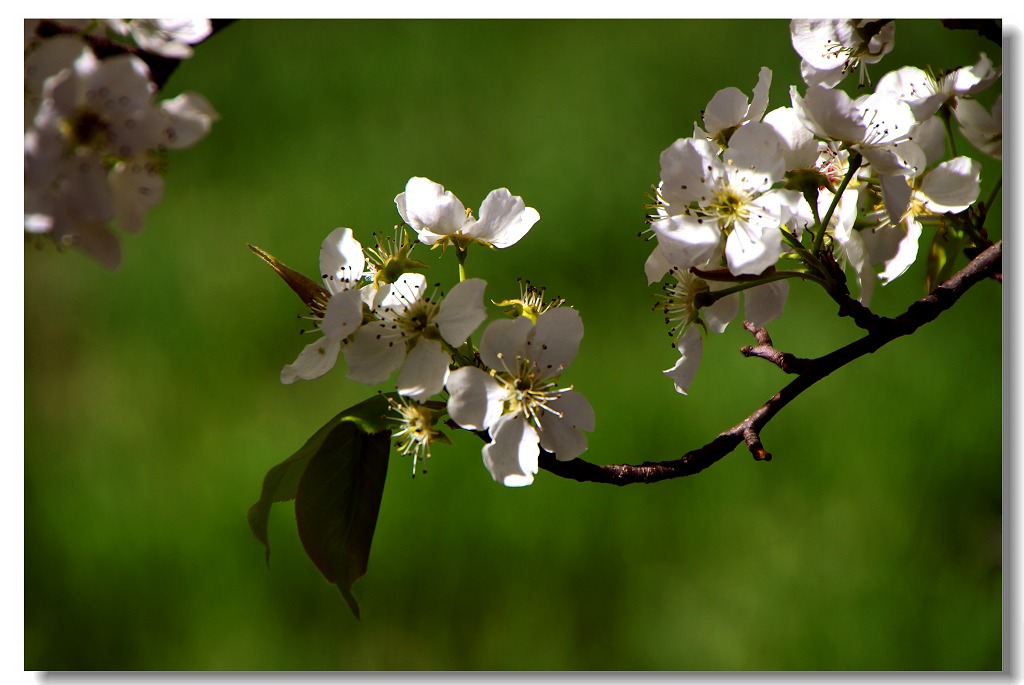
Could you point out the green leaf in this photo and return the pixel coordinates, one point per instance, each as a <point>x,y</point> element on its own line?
<point>337,503</point>
<point>282,481</point>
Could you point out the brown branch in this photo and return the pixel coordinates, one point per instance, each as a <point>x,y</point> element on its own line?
<point>765,350</point>
<point>986,265</point>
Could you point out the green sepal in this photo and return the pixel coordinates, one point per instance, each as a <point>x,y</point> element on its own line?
<point>282,481</point>
<point>314,295</point>
<point>942,257</point>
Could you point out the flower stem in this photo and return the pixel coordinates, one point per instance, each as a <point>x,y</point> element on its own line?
<point>819,238</point>
<point>460,253</point>
<point>713,296</point>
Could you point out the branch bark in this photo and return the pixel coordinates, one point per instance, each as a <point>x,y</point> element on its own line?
<point>882,331</point>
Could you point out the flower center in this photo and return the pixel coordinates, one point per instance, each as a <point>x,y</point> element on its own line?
<point>526,392</point>
<point>729,205</point>
<point>85,128</point>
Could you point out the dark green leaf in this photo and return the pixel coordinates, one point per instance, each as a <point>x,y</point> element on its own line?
<point>282,481</point>
<point>337,503</point>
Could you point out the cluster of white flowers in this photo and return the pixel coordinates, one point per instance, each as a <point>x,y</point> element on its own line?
<point>751,187</point>
<point>94,132</point>
<point>377,310</point>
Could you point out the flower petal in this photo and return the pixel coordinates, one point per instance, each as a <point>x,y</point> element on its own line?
<point>504,219</point>
<point>341,260</point>
<point>343,316</point>
<point>476,401</point>
<point>563,435</point>
<point>374,352</point>
<point>316,359</point>
<point>952,186</point>
<point>512,455</point>
<point>430,210</point>
<point>686,241</point>
<point>691,348</point>
<point>424,371</point>
<point>462,311</point>
<point>503,340</point>
<point>555,340</point>
<point>764,303</point>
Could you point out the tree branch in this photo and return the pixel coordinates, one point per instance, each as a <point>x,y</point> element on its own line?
<point>883,330</point>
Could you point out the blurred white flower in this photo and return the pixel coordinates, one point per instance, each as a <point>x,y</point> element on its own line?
<point>166,37</point>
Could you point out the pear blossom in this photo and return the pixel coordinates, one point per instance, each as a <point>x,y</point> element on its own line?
<point>730,108</point>
<point>704,200</point>
<point>681,304</point>
<point>411,333</point>
<point>952,186</point>
<point>92,134</point>
<point>439,218</point>
<point>172,38</point>
<point>517,400</point>
<point>879,126</point>
<point>414,430</point>
<point>926,94</point>
<point>982,128</point>
<point>337,311</point>
<point>831,48</point>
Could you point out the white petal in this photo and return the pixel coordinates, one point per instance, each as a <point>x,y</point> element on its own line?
<point>424,371</point>
<point>402,294</point>
<point>563,435</point>
<point>503,340</point>
<point>476,401</point>
<point>765,302</point>
<point>504,219</point>
<point>431,208</point>
<point>718,315</point>
<point>756,149</point>
<point>374,352</point>
<point>905,255</point>
<point>753,247</point>
<point>512,456</point>
<point>341,260</point>
<point>896,194</point>
<point>799,148</point>
<point>656,266</point>
<point>684,175</point>
<point>952,186</point>
<point>726,109</point>
<point>316,359</point>
<point>462,311</point>
<point>137,187</point>
<point>189,118</point>
<point>691,348</point>
<point>686,241</point>
<point>343,316</point>
<point>555,340</point>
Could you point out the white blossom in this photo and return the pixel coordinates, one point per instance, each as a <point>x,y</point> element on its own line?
<point>832,48</point>
<point>339,312</point>
<point>438,217</point>
<point>412,332</point>
<point>518,401</point>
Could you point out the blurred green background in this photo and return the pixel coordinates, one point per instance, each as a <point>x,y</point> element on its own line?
<point>153,406</point>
